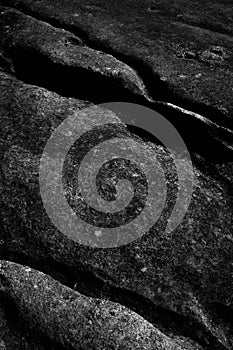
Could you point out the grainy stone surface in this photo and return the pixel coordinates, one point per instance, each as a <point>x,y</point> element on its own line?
<point>168,56</point>
<point>57,59</point>
<point>74,321</point>
<point>184,48</point>
<point>11,335</point>
<point>185,273</point>
<point>40,54</point>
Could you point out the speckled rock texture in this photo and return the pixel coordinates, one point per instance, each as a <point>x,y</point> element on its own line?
<point>41,54</point>
<point>162,291</point>
<point>181,274</point>
<point>39,51</point>
<point>74,321</point>
<point>184,48</point>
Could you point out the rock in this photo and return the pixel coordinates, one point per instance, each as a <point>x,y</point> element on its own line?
<point>56,59</point>
<point>11,336</point>
<point>186,286</point>
<point>168,58</point>
<point>183,52</point>
<point>63,63</point>
<point>74,321</point>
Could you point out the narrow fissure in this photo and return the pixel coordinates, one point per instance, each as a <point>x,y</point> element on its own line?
<point>36,69</point>
<point>158,89</point>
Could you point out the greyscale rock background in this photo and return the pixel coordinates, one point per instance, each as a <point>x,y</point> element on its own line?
<point>161,291</point>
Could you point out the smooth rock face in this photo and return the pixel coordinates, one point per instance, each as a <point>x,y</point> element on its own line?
<point>179,284</point>
<point>183,50</point>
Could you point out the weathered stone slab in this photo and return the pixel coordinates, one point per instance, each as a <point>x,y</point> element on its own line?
<point>182,50</point>
<point>73,321</point>
<point>40,54</point>
<point>56,59</point>
<point>143,51</point>
<point>177,281</point>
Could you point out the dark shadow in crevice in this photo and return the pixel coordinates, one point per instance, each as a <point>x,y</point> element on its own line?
<point>209,169</point>
<point>34,68</point>
<point>37,69</point>
<point>159,90</point>
<point>222,312</point>
<point>15,321</point>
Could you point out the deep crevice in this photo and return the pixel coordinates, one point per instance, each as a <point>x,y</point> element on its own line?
<point>151,79</point>
<point>35,68</point>
<point>96,88</point>
<point>92,86</point>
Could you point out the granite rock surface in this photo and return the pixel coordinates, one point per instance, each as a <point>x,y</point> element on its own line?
<point>166,291</point>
